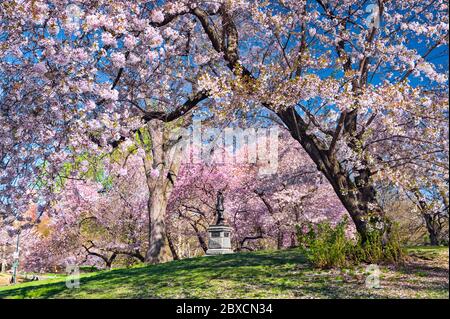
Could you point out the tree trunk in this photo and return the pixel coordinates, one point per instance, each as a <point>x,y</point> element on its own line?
<point>200,238</point>
<point>173,250</point>
<point>359,198</point>
<point>109,261</point>
<point>432,228</point>
<point>293,240</point>
<point>3,267</point>
<point>158,250</point>
<point>165,160</point>
<point>280,238</point>
<point>357,194</point>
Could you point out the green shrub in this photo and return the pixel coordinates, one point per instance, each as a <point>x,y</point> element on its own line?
<point>326,246</point>
<point>374,250</point>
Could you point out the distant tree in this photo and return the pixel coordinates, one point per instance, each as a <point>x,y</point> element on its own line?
<point>260,208</point>
<point>95,222</point>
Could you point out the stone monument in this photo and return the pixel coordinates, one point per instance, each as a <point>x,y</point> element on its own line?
<point>219,235</point>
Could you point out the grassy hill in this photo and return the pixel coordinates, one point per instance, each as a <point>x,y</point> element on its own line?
<point>267,274</point>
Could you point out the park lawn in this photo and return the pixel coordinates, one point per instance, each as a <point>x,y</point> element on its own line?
<point>265,274</point>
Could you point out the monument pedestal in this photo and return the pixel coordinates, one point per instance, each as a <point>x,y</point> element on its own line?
<point>219,240</point>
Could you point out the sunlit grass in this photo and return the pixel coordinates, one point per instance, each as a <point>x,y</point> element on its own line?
<point>267,274</point>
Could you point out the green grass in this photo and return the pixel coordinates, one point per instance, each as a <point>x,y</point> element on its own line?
<point>426,252</point>
<point>267,274</point>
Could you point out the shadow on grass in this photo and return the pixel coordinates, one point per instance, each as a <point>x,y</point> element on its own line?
<point>267,274</point>
<point>179,277</point>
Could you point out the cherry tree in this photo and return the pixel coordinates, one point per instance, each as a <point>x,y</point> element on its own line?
<point>95,223</point>
<point>263,210</point>
<point>85,76</point>
<point>416,156</point>
<point>428,190</point>
<point>432,204</point>
<point>192,202</point>
<point>328,71</point>
<point>83,58</point>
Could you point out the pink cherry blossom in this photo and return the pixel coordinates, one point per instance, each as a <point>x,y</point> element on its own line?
<point>157,16</point>
<point>118,59</point>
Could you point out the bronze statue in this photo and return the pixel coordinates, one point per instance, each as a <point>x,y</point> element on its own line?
<point>219,209</point>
